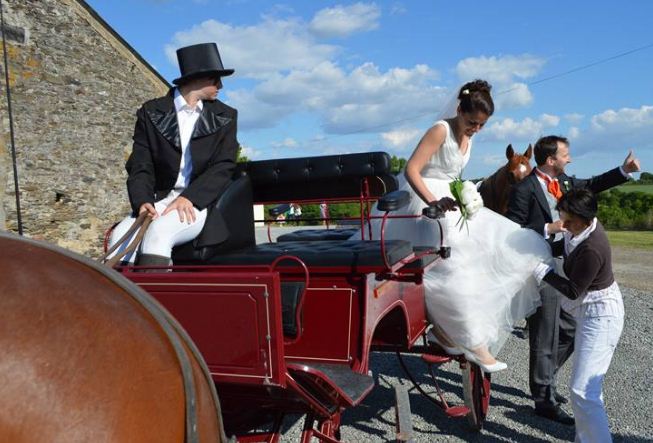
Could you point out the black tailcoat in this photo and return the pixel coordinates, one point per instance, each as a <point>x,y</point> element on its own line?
<point>153,165</point>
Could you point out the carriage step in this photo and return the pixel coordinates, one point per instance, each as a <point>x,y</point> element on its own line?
<point>351,387</point>
<point>457,411</point>
<point>435,359</point>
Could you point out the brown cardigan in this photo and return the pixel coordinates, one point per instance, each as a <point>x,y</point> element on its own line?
<point>588,267</point>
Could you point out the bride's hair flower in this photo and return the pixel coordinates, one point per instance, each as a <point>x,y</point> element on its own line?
<point>468,198</point>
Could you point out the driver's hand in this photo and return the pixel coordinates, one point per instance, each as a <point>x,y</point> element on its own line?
<point>184,208</point>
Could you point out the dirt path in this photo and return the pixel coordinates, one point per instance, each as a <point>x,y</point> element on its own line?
<point>633,267</point>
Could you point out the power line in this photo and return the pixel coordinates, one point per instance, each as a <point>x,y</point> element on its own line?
<point>505,91</point>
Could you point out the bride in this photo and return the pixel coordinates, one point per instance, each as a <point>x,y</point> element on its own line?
<point>474,297</point>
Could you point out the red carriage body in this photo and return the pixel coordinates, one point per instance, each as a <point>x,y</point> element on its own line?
<point>288,327</point>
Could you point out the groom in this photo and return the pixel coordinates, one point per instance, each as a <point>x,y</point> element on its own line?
<point>532,204</point>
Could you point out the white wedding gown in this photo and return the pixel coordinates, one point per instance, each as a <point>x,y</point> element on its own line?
<point>477,294</point>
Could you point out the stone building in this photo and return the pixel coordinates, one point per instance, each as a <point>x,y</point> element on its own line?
<point>75,85</point>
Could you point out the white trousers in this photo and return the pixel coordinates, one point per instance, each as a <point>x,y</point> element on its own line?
<point>164,232</point>
<point>597,335</point>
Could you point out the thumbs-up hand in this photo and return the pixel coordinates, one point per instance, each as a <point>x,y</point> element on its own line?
<point>631,164</point>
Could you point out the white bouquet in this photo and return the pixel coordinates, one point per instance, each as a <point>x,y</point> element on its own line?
<point>468,198</point>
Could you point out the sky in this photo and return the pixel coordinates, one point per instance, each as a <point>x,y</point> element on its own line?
<point>317,77</point>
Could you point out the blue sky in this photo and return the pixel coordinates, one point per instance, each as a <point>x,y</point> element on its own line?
<point>323,77</point>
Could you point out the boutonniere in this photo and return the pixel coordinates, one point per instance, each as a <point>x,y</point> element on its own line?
<point>565,185</point>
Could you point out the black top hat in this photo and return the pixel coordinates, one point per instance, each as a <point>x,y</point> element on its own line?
<point>201,60</point>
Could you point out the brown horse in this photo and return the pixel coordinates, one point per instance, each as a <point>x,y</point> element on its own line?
<point>495,189</point>
<point>89,356</point>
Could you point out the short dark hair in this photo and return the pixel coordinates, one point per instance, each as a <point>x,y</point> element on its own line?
<point>579,202</point>
<point>547,147</point>
<point>475,96</point>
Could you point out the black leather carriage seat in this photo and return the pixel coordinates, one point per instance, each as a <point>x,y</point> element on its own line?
<point>236,206</point>
<point>336,253</point>
<point>292,179</point>
<point>317,178</point>
<point>318,234</point>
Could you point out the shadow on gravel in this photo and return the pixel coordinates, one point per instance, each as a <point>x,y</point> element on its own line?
<point>429,421</point>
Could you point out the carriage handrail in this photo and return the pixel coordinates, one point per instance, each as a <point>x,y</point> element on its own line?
<point>300,305</point>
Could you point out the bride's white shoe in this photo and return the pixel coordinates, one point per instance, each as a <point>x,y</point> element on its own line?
<point>494,367</point>
<point>432,338</point>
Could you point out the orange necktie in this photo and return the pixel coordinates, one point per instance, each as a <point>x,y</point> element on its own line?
<point>552,185</point>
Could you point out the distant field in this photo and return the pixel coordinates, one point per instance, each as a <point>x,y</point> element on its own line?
<point>632,239</point>
<point>636,188</point>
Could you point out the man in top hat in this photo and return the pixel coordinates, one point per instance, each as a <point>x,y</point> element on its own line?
<point>183,156</point>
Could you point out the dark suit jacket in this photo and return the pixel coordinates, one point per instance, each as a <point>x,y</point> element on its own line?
<point>153,165</point>
<point>528,205</point>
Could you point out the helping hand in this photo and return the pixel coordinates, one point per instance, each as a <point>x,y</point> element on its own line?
<point>184,207</point>
<point>540,271</point>
<point>631,164</point>
<point>149,208</point>
<point>445,203</point>
<point>555,227</point>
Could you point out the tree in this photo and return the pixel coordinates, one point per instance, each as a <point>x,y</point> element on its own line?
<point>240,158</point>
<point>397,164</point>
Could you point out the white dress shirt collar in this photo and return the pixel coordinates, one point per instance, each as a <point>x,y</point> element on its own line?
<point>572,241</point>
<point>182,105</point>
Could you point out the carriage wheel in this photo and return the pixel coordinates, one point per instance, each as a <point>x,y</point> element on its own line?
<point>476,391</point>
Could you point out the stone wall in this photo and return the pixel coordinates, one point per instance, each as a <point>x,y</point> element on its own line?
<point>75,87</point>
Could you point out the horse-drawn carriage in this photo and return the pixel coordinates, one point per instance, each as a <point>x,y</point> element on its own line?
<point>288,327</point>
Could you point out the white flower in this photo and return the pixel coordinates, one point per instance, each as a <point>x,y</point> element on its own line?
<point>469,193</point>
<point>473,207</point>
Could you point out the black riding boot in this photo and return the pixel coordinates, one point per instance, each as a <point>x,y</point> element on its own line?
<point>153,260</point>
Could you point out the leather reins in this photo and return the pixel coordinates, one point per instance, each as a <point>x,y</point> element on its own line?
<point>141,224</point>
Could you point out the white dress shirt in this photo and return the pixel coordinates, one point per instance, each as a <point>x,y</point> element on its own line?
<point>186,118</point>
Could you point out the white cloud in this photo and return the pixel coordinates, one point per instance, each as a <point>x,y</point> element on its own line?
<point>288,142</point>
<point>341,21</point>
<point>574,118</point>
<point>402,139</point>
<point>346,101</point>
<point>494,160</point>
<point>504,73</point>
<point>260,50</point>
<point>549,120</point>
<point>617,129</point>
<point>251,153</point>
<point>624,119</point>
<point>527,130</point>
<point>398,9</point>
<point>573,133</point>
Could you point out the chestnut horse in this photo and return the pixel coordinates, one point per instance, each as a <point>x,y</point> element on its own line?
<point>495,189</point>
<point>89,356</point>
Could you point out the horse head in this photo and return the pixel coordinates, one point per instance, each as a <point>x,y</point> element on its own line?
<point>519,166</point>
<point>495,189</point>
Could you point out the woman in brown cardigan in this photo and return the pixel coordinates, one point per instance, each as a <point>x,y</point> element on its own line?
<point>594,299</point>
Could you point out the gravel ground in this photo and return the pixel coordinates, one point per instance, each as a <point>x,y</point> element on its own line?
<point>627,390</point>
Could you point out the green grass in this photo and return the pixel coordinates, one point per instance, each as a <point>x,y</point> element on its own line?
<point>631,239</point>
<point>636,188</point>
